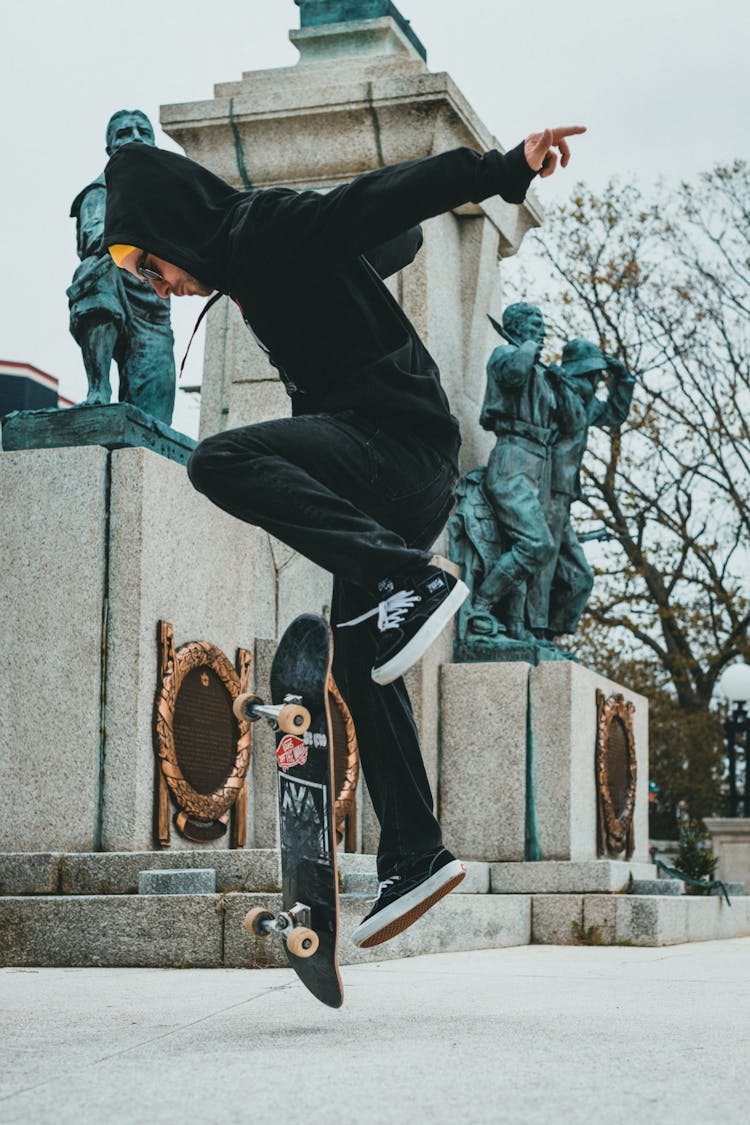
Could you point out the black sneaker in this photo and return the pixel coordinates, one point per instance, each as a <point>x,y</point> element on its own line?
<point>407,895</point>
<point>414,609</point>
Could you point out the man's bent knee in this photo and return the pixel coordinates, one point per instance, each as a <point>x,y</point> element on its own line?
<point>221,456</point>
<point>204,462</point>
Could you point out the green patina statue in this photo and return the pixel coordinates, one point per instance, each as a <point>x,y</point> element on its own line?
<point>511,531</point>
<point>112,314</point>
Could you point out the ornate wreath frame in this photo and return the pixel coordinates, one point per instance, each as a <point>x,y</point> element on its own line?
<point>615,833</point>
<point>212,809</point>
<point>345,814</point>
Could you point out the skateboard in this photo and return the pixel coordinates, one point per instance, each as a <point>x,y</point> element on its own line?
<point>300,714</point>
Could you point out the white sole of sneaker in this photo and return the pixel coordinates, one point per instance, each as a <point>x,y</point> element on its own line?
<point>422,640</point>
<point>394,919</point>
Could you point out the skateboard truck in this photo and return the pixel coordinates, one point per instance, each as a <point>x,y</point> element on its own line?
<point>292,925</point>
<point>290,716</point>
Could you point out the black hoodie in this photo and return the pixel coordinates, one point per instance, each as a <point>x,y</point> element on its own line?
<point>306,269</point>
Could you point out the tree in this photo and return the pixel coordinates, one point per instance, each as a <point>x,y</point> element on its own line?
<point>664,285</point>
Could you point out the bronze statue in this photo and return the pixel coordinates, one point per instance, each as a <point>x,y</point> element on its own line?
<point>528,577</point>
<point>567,580</point>
<point>113,315</point>
<point>519,407</point>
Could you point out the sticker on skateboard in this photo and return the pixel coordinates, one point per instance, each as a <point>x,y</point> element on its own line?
<point>291,751</point>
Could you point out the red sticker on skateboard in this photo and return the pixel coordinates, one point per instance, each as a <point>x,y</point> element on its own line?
<point>292,751</point>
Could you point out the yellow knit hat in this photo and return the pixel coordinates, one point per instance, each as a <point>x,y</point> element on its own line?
<point>120,252</point>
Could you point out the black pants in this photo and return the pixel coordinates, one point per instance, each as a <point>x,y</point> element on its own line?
<point>365,505</point>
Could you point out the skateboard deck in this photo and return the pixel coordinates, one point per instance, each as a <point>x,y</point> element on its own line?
<point>301,710</point>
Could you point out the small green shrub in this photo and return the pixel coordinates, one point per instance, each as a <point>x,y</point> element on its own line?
<point>694,857</point>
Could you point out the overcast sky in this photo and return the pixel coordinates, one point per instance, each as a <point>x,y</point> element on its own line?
<point>662,85</point>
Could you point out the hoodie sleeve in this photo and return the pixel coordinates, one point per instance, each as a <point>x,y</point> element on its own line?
<point>379,205</point>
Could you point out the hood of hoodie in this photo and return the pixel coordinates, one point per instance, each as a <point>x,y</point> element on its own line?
<point>170,206</point>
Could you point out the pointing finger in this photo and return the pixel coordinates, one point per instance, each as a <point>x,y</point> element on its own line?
<point>566,131</point>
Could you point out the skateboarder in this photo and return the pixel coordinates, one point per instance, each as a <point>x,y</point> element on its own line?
<point>360,479</point>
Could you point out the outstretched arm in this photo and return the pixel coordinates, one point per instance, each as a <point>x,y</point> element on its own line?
<point>379,205</point>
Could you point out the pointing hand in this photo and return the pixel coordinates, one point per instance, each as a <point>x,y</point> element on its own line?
<point>538,148</point>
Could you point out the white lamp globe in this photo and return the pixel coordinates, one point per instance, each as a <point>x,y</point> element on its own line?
<point>734,683</point>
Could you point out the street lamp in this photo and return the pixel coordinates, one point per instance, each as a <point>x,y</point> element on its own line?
<point>734,684</point>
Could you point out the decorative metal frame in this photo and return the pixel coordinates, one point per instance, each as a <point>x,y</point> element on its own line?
<point>212,809</point>
<point>345,814</point>
<point>615,833</point>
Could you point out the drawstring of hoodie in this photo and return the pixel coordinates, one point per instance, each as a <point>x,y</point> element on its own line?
<point>204,310</point>
<point>291,388</point>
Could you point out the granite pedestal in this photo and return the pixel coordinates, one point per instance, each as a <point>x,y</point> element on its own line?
<point>98,545</point>
<point>510,779</point>
<point>564,719</point>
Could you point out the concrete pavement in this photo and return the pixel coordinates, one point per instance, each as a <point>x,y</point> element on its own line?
<point>533,1034</point>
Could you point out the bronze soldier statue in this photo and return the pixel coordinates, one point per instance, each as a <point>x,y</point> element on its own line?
<point>114,315</point>
<point>528,577</point>
<point>519,407</point>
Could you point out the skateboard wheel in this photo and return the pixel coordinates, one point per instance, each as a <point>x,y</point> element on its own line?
<point>243,707</point>
<point>294,719</point>
<point>302,942</point>
<point>254,919</point>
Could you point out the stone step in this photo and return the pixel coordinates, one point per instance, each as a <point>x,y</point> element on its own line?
<point>593,876</point>
<point>118,873</point>
<point>655,887</point>
<point>203,931</point>
<point>626,919</point>
<point>178,881</point>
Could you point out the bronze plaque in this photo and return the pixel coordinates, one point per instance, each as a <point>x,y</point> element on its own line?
<point>205,730</point>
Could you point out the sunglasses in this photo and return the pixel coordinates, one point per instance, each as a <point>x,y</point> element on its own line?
<point>146,273</point>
